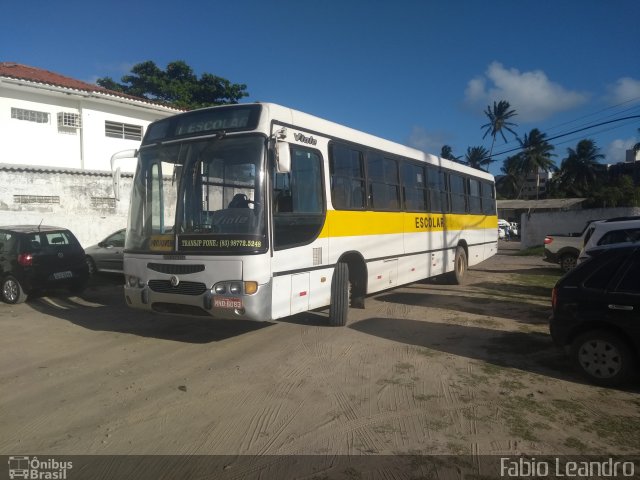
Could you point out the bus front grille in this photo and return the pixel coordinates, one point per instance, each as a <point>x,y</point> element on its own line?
<point>175,269</point>
<point>183,288</point>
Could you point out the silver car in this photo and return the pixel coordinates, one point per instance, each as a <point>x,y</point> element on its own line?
<point>107,255</point>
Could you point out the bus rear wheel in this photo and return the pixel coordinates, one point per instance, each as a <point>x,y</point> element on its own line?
<point>460,266</point>
<point>340,293</point>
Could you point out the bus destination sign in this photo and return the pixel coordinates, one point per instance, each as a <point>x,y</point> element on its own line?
<point>207,120</point>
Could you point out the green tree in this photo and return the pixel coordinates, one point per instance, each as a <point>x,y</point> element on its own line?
<point>447,152</point>
<point>177,85</point>
<point>499,117</point>
<point>477,157</point>
<point>579,170</point>
<point>536,155</point>
<point>619,192</point>
<point>509,185</point>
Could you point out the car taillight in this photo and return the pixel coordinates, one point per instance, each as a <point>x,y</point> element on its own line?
<point>548,240</point>
<point>554,297</point>
<point>25,259</point>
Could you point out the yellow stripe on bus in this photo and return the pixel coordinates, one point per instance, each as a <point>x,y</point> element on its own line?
<point>341,223</point>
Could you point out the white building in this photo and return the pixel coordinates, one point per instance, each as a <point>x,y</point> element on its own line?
<point>58,135</point>
<point>536,186</point>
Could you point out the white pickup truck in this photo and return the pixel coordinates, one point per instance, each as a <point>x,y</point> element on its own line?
<point>564,248</point>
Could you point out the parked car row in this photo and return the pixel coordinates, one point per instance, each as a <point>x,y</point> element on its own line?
<point>568,249</point>
<point>40,257</point>
<point>507,230</point>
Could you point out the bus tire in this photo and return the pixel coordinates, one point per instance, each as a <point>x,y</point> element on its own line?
<point>460,266</point>
<point>340,290</point>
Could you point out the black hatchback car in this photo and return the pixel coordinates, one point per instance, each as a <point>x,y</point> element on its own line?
<point>596,314</point>
<point>34,257</point>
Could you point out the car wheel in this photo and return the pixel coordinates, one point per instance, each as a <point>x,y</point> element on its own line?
<point>568,261</point>
<point>12,291</point>
<point>91,265</point>
<point>603,357</point>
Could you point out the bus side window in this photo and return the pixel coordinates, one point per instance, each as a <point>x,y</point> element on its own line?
<point>414,187</point>
<point>488,199</point>
<point>346,166</point>
<point>474,196</point>
<point>436,183</point>
<point>456,184</point>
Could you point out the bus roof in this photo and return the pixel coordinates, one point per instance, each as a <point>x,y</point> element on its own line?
<point>260,116</point>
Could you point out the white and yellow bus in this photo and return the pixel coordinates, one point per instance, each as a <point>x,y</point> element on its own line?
<point>257,211</point>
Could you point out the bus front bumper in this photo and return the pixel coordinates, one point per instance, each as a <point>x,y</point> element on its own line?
<point>255,307</point>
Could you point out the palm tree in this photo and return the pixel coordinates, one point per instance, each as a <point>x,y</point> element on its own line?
<point>447,152</point>
<point>477,157</point>
<point>579,171</point>
<point>536,155</point>
<point>510,183</point>
<point>498,121</point>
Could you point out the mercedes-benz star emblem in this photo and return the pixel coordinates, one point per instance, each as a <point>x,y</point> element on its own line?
<point>174,281</point>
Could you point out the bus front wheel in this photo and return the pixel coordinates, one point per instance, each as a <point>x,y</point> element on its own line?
<point>340,292</point>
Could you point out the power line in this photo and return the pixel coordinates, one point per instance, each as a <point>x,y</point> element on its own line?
<point>617,111</point>
<point>570,133</point>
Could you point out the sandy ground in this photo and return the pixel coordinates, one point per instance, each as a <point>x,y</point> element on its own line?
<point>428,368</point>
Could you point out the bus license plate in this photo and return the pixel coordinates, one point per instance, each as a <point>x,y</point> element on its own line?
<point>227,302</point>
<point>61,275</point>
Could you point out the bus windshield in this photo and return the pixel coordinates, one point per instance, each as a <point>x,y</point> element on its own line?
<point>208,195</point>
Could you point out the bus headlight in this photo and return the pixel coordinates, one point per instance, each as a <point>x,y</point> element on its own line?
<point>235,288</point>
<point>133,281</point>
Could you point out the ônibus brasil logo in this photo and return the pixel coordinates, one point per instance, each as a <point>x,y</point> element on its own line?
<point>33,468</point>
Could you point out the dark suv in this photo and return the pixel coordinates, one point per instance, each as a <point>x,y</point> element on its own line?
<point>596,314</point>
<point>34,257</point>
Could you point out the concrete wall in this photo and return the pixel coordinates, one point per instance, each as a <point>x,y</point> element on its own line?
<point>82,202</point>
<point>536,225</point>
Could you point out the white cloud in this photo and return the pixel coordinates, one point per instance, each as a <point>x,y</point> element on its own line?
<point>531,94</point>
<point>626,89</point>
<point>427,141</point>
<point>616,151</point>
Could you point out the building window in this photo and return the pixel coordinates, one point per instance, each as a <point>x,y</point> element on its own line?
<point>29,115</point>
<point>36,199</point>
<point>103,202</point>
<point>122,130</point>
<point>69,120</point>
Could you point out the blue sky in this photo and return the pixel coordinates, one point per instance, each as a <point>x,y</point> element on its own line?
<point>419,73</point>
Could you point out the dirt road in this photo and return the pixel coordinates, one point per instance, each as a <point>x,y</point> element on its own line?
<point>425,369</point>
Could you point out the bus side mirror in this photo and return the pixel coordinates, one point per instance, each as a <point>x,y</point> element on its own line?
<point>116,184</point>
<point>283,157</point>
<point>115,172</point>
